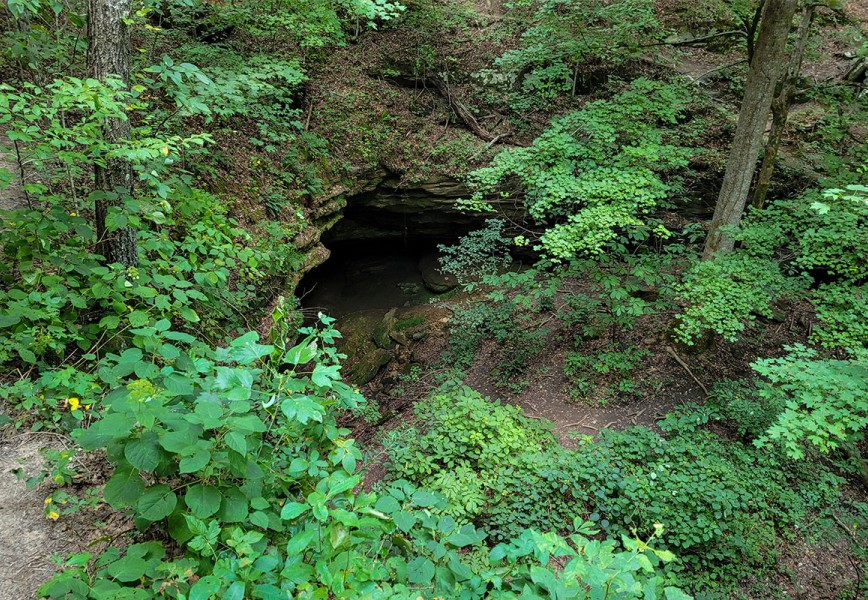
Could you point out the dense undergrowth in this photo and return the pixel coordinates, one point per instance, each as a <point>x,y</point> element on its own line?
<point>218,414</point>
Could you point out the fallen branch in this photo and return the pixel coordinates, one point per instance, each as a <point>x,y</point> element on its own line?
<point>697,40</point>
<point>458,107</point>
<point>461,110</point>
<point>672,353</point>
<point>849,530</point>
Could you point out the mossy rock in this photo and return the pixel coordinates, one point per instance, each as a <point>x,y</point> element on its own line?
<point>366,364</point>
<point>381,332</point>
<point>362,332</point>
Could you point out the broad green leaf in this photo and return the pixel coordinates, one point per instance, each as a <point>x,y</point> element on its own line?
<point>197,462</point>
<point>303,408</point>
<point>324,375</point>
<point>387,504</point>
<point>299,543</point>
<point>157,503</point>
<point>291,510</point>
<point>202,500</point>
<point>301,354</point>
<point>127,569</point>
<point>124,488</point>
<point>404,520</point>
<point>234,507</point>
<point>144,453</point>
<point>236,441</point>
<point>205,588</point>
<point>420,571</point>
<point>138,318</point>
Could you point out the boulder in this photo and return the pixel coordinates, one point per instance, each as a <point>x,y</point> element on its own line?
<point>367,363</point>
<point>381,332</point>
<point>433,277</point>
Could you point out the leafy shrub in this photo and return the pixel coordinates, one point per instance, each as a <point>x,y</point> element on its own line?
<point>725,293</point>
<point>602,375</point>
<point>588,176</point>
<point>479,253</point>
<point>621,290</point>
<point>722,505</point>
<point>568,35</point>
<point>818,235</point>
<point>825,400</point>
<point>238,451</point>
<point>741,406</point>
<point>466,429</point>
<point>843,312</point>
<point>503,320</point>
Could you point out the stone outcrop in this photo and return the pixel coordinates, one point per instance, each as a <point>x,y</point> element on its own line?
<point>434,278</point>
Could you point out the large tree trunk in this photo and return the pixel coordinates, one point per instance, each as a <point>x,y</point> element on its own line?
<point>781,108</point>
<point>765,70</point>
<point>108,53</point>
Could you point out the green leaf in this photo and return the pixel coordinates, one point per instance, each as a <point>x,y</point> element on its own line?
<point>339,537</point>
<point>235,592</point>
<point>109,322</point>
<point>234,507</point>
<point>404,520</point>
<point>299,543</point>
<point>205,588</point>
<point>127,569</point>
<point>291,510</point>
<point>324,375</point>
<point>301,354</point>
<point>202,500</point>
<point>388,505</point>
<point>188,314</point>
<point>673,593</point>
<point>303,408</point>
<point>245,349</point>
<point>420,571</point>
<point>144,453</point>
<point>260,519</point>
<point>426,499</point>
<point>466,536</point>
<point>124,488</point>
<point>157,503</point>
<point>138,318</point>
<point>197,462</point>
<point>236,441</point>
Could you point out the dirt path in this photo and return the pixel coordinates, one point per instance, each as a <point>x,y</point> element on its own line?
<point>544,396</point>
<point>28,540</point>
<point>12,196</point>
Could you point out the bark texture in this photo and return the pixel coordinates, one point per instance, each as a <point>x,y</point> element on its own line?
<point>768,63</point>
<point>108,53</point>
<point>781,108</point>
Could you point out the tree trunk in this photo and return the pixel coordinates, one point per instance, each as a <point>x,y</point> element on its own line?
<point>750,30</point>
<point>108,53</point>
<point>768,63</point>
<point>781,108</point>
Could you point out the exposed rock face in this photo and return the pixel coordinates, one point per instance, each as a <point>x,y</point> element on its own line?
<point>392,210</point>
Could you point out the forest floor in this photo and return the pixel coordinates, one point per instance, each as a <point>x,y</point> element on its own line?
<point>31,541</point>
